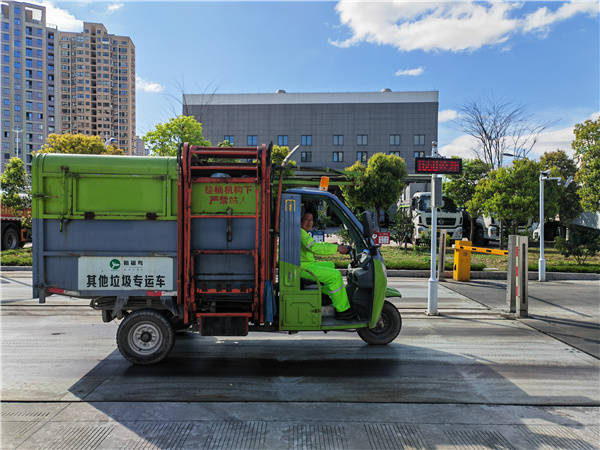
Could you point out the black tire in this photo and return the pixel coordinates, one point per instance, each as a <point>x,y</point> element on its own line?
<point>388,328</point>
<point>10,238</point>
<point>145,337</point>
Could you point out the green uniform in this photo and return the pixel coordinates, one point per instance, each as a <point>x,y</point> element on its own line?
<point>324,271</point>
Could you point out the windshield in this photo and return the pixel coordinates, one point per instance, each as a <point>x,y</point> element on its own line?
<point>447,204</point>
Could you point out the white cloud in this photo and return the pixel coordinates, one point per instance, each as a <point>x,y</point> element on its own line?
<point>63,19</point>
<point>447,115</point>
<point>548,141</point>
<point>410,72</point>
<point>449,26</point>
<point>148,86</point>
<point>114,7</point>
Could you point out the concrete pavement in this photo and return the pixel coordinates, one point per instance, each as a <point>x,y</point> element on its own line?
<point>466,378</point>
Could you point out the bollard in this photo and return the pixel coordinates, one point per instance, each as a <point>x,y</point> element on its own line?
<point>521,276</point>
<point>461,270</point>
<point>511,305</point>
<point>442,254</point>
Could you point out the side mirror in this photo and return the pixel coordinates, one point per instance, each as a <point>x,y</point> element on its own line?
<point>366,224</point>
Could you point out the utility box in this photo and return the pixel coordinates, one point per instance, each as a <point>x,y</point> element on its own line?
<point>461,270</point>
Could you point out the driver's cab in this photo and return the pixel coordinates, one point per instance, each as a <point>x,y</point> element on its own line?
<point>303,305</point>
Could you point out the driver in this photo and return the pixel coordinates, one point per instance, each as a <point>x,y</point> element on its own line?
<point>325,271</point>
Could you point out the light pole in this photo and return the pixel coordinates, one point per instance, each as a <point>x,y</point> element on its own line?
<point>17,130</point>
<point>432,284</point>
<point>542,262</point>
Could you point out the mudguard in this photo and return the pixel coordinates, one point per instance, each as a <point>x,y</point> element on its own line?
<point>391,292</point>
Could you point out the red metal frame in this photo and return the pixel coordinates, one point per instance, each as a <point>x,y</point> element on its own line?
<point>189,174</point>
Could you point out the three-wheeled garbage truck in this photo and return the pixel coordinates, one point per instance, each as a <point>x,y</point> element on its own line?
<point>208,241</point>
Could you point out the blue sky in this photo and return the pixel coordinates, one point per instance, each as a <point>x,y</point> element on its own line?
<point>544,55</point>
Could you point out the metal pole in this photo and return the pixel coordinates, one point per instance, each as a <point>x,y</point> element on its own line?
<point>542,261</point>
<point>432,287</point>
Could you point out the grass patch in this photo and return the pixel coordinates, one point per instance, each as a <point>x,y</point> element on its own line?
<point>413,260</point>
<point>17,257</point>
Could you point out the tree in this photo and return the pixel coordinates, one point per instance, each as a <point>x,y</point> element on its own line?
<point>568,200</point>
<point>225,144</point>
<point>461,188</point>
<point>498,128</point>
<point>402,227</point>
<point>378,185</point>
<point>16,192</point>
<point>587,152</point>
<point>278,154</point>
<point>78,144</point>
<point>165,139</point>
<point>512,194</point>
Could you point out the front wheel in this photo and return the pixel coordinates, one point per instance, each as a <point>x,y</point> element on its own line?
<point>145,337</point>
<point>387,328</point>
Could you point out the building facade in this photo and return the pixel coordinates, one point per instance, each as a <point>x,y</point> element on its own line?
<point>62,82</point>
<point>27,80</point>
<point>333,129</point>
<point>97,85</point>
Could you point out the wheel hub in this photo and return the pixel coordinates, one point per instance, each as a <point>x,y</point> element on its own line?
<point>145,338</point>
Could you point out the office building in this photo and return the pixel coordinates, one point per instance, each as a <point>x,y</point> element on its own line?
<point>334,129</point>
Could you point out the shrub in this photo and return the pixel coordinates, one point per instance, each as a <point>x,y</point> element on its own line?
<point>582,244</point>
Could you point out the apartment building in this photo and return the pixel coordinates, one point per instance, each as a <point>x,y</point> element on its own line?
<point>333,129</point>
<point>27,80</point>
<point>97,85</point>
<point>62,82</point>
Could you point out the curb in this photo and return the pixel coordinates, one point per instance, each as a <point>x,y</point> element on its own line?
<point>16,269</point>
<point>475,275</point>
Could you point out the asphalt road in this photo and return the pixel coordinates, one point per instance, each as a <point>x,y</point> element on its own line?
<point>468,377</point>
<point>566,310</point>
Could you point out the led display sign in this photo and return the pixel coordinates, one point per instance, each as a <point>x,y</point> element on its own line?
<point>450,166</point>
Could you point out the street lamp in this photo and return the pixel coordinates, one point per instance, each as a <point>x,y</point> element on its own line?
<point>542,262</point>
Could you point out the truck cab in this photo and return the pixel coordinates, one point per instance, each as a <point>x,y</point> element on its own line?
<point>449,217</point>
<point>300,300</point>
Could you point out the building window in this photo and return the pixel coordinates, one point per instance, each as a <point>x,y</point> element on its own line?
<point>361,139</point>
<point>338,139</point>
<point>306,140</point>
<point>305,156</point>
<point>394,139</point>
<point>252,139</point>
<point>420,154</point>
<point>338,156</point>
<point>230,139</point>
<point>395,153</point>
<point>282,140</point>
<point>362,156</point>
<point>419,139</point>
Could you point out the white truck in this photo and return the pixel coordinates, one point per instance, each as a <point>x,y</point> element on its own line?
<point>486,230</point>
<point>449,217</point>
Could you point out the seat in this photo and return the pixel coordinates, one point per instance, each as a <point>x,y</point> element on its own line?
<point>309,285</point>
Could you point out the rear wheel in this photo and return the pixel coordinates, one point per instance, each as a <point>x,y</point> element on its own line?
<point>145,337</point>
<point>10,238</point>
<point>387,328</point>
